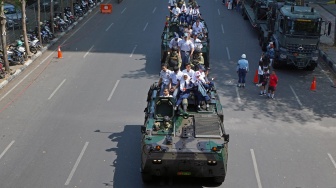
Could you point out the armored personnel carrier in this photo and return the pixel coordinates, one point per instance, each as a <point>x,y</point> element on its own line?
<point>168,34</point>
<point>174,143</point>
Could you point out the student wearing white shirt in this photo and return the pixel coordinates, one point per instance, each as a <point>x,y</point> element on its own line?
<point>198,27</point>
<point>176,11</point>
<point>189,71</point>
<point>174,83</point>
<point>185,87</point>
<point>164,78</point>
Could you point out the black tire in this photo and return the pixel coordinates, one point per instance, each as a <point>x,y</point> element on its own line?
<point>33,50</point>
<point>146,178</point>
<point>219,179</point>
<point>276,65</point>
<point>311,67</point>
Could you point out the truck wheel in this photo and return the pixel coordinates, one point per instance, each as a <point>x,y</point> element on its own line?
<point>276,64</point>
<point>259,39</point>
<point>312,66</point>
<point>219,179</point>
<point>146,178</point>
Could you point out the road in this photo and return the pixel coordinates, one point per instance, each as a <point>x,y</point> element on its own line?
<point>75,122</point>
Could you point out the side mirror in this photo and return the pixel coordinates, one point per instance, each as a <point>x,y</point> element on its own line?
<point>226,137</point>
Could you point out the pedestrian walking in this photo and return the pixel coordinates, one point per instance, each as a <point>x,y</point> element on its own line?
<point>264,81</point>
<point>242,69</point>
<point>270,53</point>
<point>186,48</point>
<point>273,82</point>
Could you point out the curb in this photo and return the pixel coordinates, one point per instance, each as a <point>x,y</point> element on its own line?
<point>331,63</point>
<point>45,48</point>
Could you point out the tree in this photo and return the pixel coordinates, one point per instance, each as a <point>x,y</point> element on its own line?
<point>3,36</point>
<point>24,27</point>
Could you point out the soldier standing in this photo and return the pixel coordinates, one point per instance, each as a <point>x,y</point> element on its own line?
<point>242,69</point>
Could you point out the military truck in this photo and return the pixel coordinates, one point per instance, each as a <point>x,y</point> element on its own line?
<point>168,34</point>
<point>174,143</point>
<point>294,30</point>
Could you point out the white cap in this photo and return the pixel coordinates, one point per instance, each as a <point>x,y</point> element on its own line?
<point>243,56</point>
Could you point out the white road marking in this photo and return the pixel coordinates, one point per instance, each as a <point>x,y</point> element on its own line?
<point>114,88</point>
<point>297,98</point>
<point>222,29</point>
<point>133,50</point>
<point>76,164</point>
<point>145,26</point>
<point>88,51</point>
<point>123,11</point>
<point>6,149</point>
<point>331,158</point>
<point>53,93</point>
<point>26,76</point>
<point>326,74</point>
<point>109,26</point>
<point>228,53</point>
<point>218,12</point>
<point>256,168</point>
<point>238,96</point>
<point>154,10</point>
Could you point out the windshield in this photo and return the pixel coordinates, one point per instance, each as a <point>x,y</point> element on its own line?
<point>9,11</point>
<point>303,27</point>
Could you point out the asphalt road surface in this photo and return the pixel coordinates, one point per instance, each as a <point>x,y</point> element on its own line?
<point>75,122</point>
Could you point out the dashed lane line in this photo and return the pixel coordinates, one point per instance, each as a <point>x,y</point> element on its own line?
<point>88,51</point>
<point>228,53</point>
<point>133,50</point>
<point>53,93</point>
<point>7,148</point>
<point>145,26</point>
<point>255,168</point>
<point>218,12</point>
<point>154,10</point>
<point>297,98</point>
<point>76,164</point>
<point>109,26</point>
<point>330,157</point>
<point>222,28</point>
<point>123,11</point>
<point>114,88</point>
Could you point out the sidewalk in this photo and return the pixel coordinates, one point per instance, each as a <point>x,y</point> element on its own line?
<point>17,69</point>
<point>327,46</point>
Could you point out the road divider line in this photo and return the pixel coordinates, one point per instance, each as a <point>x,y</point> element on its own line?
<point>330,157</point>
<point>218,12</point>
<point>222,28</point>
<point>88,51</point>
<point>255,168</point>
<point>53,93</point>
<point>123,11</point>
<point>228,53</point>
<point>238,96</point>
<point>114,88</point>
<point>6,149</point>
<point>297,98</point>
<point>145,26</point>
<point>109,26</point>
<point>76,164</point>
<point>154,10</point>
<point>133,50</point>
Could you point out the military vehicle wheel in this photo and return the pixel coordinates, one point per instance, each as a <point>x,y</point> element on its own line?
<point>146,178</point>
<point>244,15</point>
<point>219,179</point>
<point>311,67</point>
<point>276,65</point>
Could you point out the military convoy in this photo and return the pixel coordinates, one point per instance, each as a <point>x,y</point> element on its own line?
<point>178,143</point>
<point>294,30</point>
